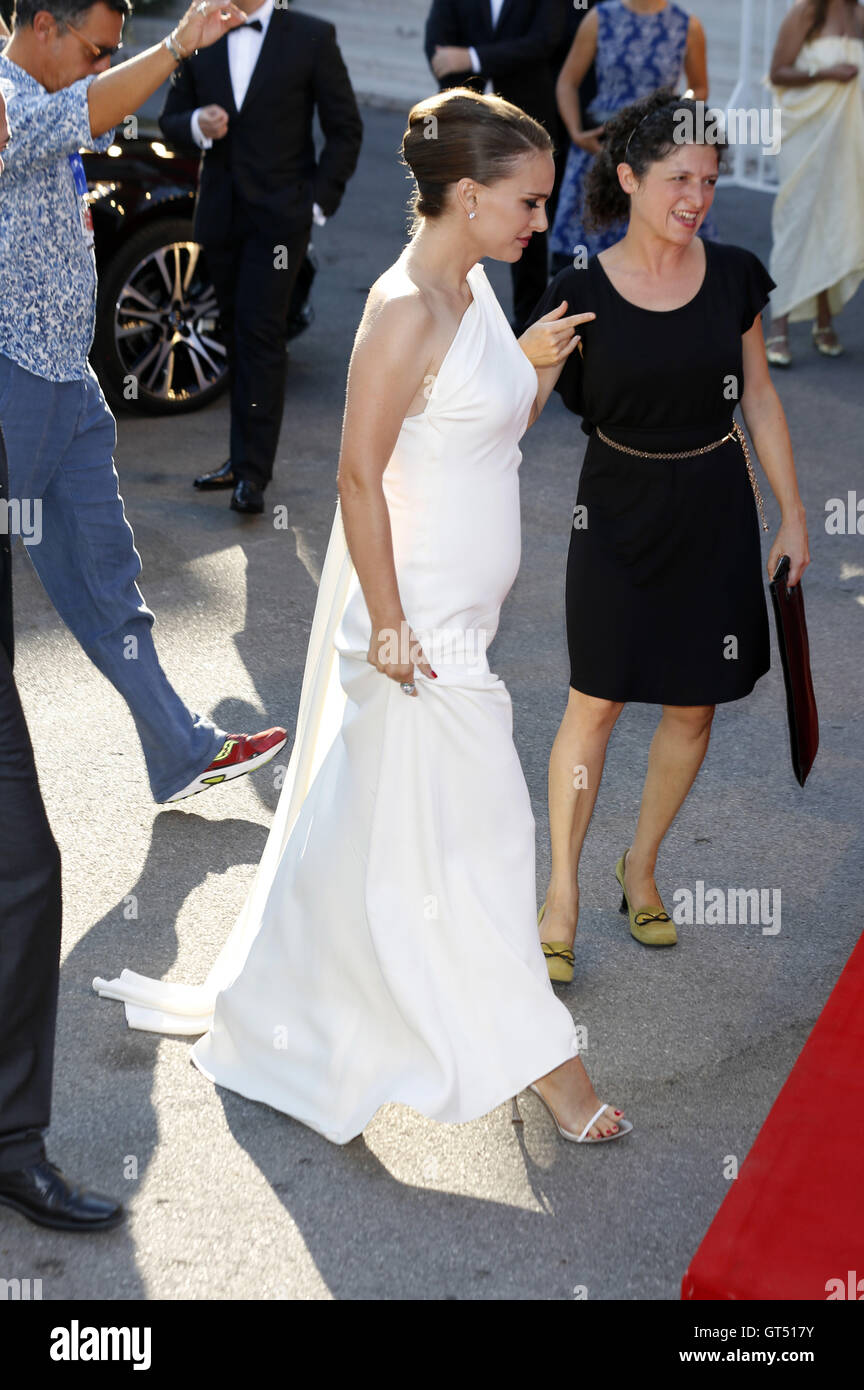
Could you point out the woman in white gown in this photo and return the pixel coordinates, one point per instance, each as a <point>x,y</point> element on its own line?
<point>817,258</point>
<point>388,951</point>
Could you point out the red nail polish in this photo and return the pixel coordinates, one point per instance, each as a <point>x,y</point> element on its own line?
<point>435,673</point>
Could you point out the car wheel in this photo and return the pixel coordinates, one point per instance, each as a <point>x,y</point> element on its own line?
<point>158,346</point>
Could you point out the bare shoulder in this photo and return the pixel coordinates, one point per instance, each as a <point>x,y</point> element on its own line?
<point>590,26</point>
<point>587,35</point>
<point>799,18</point>
<point>396,313</point>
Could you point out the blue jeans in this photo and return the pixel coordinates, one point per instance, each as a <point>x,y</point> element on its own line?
<point>60,439</point>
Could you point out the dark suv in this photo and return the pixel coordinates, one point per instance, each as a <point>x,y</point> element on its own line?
<point>158,346</point>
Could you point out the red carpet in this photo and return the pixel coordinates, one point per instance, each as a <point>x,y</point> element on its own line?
<point>793,1219</point>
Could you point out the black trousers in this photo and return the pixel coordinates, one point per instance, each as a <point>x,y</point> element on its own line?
<point>253,275</point>
<point>30,919</point>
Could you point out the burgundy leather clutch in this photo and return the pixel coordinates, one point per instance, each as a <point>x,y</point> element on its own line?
<point>795,659</point>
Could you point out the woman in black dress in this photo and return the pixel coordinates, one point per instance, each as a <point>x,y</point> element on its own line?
<point>664,595</point>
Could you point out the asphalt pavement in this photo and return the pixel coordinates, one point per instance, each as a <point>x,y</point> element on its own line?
<point>229,1199</point>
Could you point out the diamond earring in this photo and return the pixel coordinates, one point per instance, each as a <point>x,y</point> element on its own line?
<point>472,214</point>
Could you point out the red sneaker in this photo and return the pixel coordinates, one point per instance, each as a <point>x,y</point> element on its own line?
<point>240,753</point>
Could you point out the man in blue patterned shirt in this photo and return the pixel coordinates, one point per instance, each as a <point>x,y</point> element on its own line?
<point>31,913</point>
<point>62,96</point>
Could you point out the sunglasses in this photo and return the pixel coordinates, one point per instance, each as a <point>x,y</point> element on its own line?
<point>96,49</point>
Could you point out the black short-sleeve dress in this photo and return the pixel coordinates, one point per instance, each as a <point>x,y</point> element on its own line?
<point>665,599</point>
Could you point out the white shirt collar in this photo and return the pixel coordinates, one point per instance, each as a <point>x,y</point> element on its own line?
<point>263,13</point>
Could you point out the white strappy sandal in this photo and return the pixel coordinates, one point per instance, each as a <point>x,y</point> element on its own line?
<point>624,1126</point>
<point>778,356</point>
<point>820,343</point>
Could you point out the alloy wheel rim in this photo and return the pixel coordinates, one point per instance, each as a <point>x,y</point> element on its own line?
<point>166,324</point>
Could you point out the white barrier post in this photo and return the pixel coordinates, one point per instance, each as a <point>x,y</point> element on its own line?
<point>751,167</point>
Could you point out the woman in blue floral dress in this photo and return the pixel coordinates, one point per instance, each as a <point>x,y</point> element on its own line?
<point>637,46</point>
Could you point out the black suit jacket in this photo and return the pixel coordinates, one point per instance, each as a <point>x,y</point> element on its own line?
<point>6,634</point>
<point>519,55</point>
<point>266,163</point>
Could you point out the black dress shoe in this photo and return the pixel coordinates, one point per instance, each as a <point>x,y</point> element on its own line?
<point>222,477</point>
<point>42,1194</point>
<point>247,497</point>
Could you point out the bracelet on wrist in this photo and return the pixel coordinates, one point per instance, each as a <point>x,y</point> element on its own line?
<point>172,43</point>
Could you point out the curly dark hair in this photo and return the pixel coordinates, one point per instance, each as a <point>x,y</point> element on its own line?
<point>640,135</point>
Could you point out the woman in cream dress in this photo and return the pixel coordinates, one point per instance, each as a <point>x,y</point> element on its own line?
<point>818,223</point>
<point>388,950</point>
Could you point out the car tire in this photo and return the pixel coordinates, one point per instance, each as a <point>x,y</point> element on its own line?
<point>157,346</point>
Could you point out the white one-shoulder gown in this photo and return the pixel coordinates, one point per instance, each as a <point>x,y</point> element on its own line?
<point>388,950</point>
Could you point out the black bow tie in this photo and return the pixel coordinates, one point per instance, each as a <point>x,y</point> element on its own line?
<point>254,24</point>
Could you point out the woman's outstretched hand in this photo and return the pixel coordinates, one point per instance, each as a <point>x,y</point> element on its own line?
<point>551,339</point>
<point>395,651</point>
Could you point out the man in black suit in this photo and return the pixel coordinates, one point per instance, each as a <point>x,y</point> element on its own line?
<point>249,102</point>
<point>508,47</point>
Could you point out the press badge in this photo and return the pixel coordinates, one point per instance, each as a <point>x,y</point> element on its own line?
<point>76,164</point>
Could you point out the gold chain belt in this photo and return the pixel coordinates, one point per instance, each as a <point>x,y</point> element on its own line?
<point>736,432</point>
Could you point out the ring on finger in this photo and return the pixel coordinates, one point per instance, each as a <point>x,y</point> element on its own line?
<point>408,686</point>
